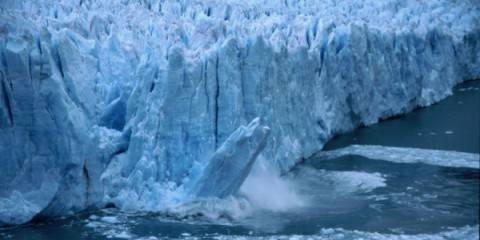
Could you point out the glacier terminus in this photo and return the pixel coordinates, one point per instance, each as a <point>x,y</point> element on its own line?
<point>147,104</point>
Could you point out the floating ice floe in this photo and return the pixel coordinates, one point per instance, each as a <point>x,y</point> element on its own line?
<point>406,155</point>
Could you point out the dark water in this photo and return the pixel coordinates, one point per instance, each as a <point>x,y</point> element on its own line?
<point>351,193</point>
<point>452,124</point>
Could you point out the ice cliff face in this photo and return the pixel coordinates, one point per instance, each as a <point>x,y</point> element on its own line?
<point>142,104</point>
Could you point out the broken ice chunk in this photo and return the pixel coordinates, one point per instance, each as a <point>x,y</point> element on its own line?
<point>232,162</point>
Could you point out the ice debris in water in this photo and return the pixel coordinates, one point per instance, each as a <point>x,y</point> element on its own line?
<point>308,181</point>
<point>109,219</point>
<point>406,155</point>
<point>226,210</point>
<point>351,181</point>
<point>462,233</point>
<point>111,226</point>
<point>132,103</point>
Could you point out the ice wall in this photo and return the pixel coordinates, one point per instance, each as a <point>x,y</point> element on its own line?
<point>128,102</point>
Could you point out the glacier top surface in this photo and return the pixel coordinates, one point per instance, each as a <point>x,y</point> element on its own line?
<point>197,26</point>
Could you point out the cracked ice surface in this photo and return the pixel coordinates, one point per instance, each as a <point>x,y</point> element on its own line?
<point>128,102</point>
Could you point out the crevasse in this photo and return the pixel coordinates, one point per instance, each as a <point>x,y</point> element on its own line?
<point>142,104</point>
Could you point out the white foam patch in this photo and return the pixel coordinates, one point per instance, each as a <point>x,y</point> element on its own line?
<point>357,181</point>
<point>308,180</point>
<point>220,211</point>
<point>147,238</point>
<point>110,219</point>
<point>117,227</point>
<point>269,191</point>
<point>406,155</point>
<point>463,233</point>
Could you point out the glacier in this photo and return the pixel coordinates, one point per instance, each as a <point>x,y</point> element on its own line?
<point>145,104</point>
